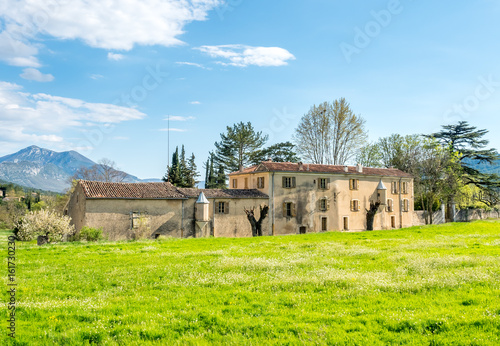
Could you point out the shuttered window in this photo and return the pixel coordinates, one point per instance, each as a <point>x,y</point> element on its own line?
<point>405,187</point>
<point>353,184</point>
<point>288,209</point>
<point>223,208</point>
<point>390,205</point>
<point>355,205</point>
<point>394,187</point>
<point>324,204</point>
<point>406,205</point>
<point>260,182</point>
<point>324,183</point>
<point>288,182</point>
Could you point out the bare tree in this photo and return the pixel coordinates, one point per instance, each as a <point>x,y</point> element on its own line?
<point>257,224</point>
<point>330,133</point>
<point>105,170</point>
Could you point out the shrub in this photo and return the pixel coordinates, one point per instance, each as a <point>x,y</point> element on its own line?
<point>45,223</point>
<point>91,234</point>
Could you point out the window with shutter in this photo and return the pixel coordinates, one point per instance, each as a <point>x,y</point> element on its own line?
<point>260,182</point>
<point>355,205</point>
<point>288,182</point>
<point>323,204</point>
<point>221,208</point>
<point>235,183</point>
<point>323,183</point>
<point>354,184</point>
<point>390,206</point>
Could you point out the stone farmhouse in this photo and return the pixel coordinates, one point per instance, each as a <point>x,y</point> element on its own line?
<point>302,198</point>
<point>314,198</point>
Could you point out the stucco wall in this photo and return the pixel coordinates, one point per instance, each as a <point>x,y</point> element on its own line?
<point>114,216</point>
<point>76,208</point>
<point>306,196</point>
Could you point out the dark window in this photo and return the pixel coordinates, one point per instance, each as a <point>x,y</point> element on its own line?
<point>288,182</point>
<point>324,224</point>
<point>323,183</point>
<point>354,184</point>
<point>288,209</point>
<point>223,208</point>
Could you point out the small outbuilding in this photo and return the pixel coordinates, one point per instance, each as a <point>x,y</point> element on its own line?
<point>148,210</point>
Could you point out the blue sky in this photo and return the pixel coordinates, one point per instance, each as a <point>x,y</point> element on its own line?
<point>102,77</point>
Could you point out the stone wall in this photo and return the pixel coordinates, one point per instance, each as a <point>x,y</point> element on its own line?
<point>464,215</point>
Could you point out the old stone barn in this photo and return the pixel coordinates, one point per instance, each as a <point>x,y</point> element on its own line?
<point>302,198</point>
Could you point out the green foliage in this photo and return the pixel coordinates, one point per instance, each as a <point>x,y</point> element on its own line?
<point>468,142</point>
<point>38,206</point>
<point>214,180</point>
<point>238,146</point>
<point>181,173</point>
<point>91,234</point>
<point>280,152</point>
<point>44,223</point>
<point>433,285</point>
<point>369,155</point>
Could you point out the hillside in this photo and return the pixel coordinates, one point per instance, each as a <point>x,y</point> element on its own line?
<point>433,285</point>
<point>44,169</point>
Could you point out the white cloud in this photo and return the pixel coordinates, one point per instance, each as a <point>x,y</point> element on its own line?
<point>112,24</point>
<point>30,118</point>
<point>17,52</point>
<point>173,130</point>
<point>120,138</point>
<point>179,118</point>
<point>195,103</point>
<point>115,56</point>
<point>96,76</point>
<point>191,64</point>
<point>242,56</point>
<point>34,74</point>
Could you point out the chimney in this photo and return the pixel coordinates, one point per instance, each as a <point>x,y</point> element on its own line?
<point>269,159</point>
<point>346,169</point>
<point>359,168</point>
<point>301,166</point>
<point>241,168</point>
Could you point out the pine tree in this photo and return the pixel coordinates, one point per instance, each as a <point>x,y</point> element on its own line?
<point>466,140</point>
<point>238,146</point>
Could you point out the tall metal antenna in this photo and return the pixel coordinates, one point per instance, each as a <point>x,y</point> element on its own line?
<point>168,142</point>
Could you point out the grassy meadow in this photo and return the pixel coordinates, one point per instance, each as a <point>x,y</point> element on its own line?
<point>432,285</point>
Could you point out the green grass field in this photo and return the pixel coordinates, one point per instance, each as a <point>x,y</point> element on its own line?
<point>437,285</point>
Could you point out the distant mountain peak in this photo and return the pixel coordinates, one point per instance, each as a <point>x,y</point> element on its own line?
<point>44,169</point>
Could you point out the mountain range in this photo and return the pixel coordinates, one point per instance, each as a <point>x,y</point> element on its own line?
<point>44,169</point>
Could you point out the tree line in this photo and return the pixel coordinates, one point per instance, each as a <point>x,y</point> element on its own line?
<point>444,164</point>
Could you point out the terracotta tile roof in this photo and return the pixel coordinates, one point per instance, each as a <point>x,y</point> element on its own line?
<point>223,193</point>
<point>269,166</point>
<point>97,189</point>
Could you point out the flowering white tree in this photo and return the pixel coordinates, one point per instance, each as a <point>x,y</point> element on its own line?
<point>45,223</point>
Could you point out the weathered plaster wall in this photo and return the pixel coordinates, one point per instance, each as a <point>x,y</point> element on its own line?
<point>306,196</point>
<point>164,216</point>
<point>76,208</point>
